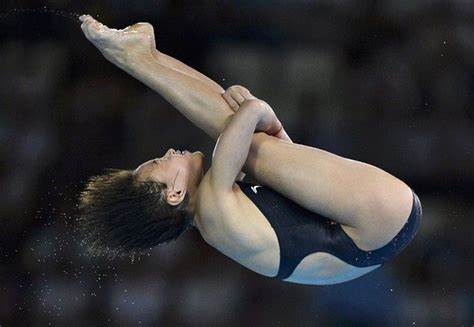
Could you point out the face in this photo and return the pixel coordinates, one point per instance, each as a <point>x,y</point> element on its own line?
<point>181,171</point>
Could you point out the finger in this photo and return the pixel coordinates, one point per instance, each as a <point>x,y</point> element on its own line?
<point>238,98</point>
<point>247,95</point>
<point>230,101</point>
<point>283,135</point>
<point>275,127</point>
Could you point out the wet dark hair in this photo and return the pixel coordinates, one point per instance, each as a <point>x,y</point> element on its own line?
<point>120,216</point>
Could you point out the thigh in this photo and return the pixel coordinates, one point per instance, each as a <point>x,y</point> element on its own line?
<point>371,204</point>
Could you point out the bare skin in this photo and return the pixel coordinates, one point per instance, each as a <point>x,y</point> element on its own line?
<point>370,204</point>
<point>180,171</point>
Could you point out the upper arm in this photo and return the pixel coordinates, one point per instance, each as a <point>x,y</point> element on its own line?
<point>233,146</point>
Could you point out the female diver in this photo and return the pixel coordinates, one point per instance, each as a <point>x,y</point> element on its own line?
<point>315,218</point>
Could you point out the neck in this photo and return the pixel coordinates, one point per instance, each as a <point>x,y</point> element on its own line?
<point>192,208</point>
<point>194,204</point>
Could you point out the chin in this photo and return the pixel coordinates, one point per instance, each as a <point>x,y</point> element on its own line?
<point>197,153</point>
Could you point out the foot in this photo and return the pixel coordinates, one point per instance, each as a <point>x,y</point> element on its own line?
<point>121,47</point>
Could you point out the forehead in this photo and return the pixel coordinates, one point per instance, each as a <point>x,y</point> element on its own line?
<point>144,170</point>
<point>144,165</point>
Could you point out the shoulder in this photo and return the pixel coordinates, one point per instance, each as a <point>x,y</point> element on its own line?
<point>214,206</point>
<point>231,218</point>
<point>218,197</point>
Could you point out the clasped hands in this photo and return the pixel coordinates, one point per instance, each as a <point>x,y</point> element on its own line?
<point>237,95</point>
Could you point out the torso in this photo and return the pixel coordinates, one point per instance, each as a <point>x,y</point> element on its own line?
<point>235,226</point>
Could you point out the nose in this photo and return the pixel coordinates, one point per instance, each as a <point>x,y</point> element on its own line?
<point>169,152</point>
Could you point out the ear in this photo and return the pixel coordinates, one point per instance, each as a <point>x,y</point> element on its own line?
<point>175,197</point>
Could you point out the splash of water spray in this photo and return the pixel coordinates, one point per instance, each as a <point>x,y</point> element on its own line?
<point>44,10</point>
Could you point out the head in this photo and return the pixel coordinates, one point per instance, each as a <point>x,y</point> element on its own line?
<point>126,212</point>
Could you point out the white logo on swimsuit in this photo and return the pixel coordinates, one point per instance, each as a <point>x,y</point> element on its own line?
<point>254,188</point>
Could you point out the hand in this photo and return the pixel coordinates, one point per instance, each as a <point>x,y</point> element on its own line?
<point>236,95</point>
<point>121,47</point>
<point>275,128</point>
<point>268,121</point>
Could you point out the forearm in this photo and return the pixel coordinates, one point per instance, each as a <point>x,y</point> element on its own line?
<point>232,148</point>
<point>201,104</point>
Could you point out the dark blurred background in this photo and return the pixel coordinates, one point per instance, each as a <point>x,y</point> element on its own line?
<point>387,82</point>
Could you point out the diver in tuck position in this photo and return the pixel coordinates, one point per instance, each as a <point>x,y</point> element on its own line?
<point>315,218</point>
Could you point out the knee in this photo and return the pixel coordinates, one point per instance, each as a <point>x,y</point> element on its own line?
<point>391,205</point>
<point>383,214</point>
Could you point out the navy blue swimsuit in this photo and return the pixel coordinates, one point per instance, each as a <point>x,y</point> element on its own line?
<point>301,232</point>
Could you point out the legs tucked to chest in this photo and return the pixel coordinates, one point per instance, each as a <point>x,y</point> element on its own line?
<point>371,204</point>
